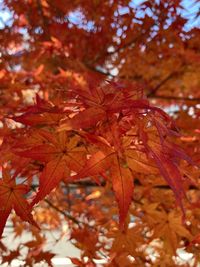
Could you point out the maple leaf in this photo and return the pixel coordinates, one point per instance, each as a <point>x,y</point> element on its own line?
<point>75,66</point>
<point>11,256</point>
<point>12,197</point>
<point>166,225</point>
<point>60,155</point>
<point>122,181</point>
<point>126,242</point>
<point>100,101</point>
<point>169,170</point>
<point>41,113</point>
<point>119,175</point>
<point>44,256</point>
<point>167,157</point>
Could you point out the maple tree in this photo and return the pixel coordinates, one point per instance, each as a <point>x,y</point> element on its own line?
<point>100,110</point>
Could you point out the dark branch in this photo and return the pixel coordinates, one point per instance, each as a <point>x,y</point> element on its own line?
<point>177,98</point>
<point>157,87</point>
<point>137,183</point>
<point>67,215</point>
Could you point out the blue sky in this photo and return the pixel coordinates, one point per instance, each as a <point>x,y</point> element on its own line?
<point>190,11</point>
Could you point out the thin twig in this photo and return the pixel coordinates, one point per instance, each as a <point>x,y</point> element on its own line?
<point>155,89</point>
<point>68,216</point>
<point>177,98</point>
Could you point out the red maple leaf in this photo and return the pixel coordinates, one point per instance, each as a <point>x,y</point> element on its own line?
<point>12,197</point>
<point>60,154</point>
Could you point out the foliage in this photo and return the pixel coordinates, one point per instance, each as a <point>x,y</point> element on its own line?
<point>100,130</point>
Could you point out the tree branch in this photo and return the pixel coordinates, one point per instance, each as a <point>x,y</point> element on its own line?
<point>157,87</point>
<point>121,48</point>
<point>92,184</point>
<point>177,98</point>
<point>67,215</point>
<point>165,80</point>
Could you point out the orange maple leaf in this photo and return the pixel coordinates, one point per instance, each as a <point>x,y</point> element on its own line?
<point>12,197</point>
<point>60,154</point>
<point>120,177</point>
